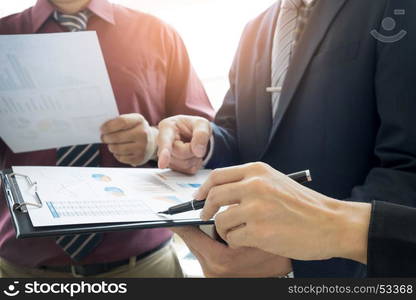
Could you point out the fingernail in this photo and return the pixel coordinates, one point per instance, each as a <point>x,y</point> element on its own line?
<point>200,150</point>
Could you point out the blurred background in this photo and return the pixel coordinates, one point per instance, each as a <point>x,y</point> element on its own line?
<point>211,30</point>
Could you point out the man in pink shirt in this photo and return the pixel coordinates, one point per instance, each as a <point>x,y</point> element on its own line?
<point>152,79</point>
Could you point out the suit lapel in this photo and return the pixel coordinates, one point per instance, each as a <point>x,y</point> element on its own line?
<point>263,109</point>
<point>322,17</point>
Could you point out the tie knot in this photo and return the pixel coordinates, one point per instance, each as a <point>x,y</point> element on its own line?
<point>74,22</point>
<point>292,4</point>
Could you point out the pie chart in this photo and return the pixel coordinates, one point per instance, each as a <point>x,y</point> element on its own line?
<point>115,191</point>
<point>101,177</point>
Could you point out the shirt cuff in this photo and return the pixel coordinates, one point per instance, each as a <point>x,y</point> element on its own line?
<point>210,152</point>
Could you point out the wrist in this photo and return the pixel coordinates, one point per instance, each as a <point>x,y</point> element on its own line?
<point>352,230</point>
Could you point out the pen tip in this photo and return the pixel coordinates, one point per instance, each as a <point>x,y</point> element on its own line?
<point>163,212</point>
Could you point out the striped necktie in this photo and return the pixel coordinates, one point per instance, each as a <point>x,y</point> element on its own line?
<point>77,22</point>
<point>284,41</point>
<point>81,245</point>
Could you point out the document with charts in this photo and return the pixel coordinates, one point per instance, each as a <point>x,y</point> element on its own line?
<point>54,90</point>
<point>73,196</point>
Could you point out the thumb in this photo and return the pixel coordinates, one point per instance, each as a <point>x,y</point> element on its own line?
<point>165,140</point>
<point>200,137</point>
<point>196,239</point>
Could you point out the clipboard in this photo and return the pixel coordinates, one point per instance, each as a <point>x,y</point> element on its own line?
<point>24,228</point>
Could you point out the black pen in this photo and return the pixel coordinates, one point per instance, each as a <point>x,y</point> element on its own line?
<point>300,177</point>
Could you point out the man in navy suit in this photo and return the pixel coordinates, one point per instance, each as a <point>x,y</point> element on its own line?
<point>325,85</point>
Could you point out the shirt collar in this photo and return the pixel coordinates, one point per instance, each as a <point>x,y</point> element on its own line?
<point>43,9</point>
<point>103,9</point>
<point>40,13</point>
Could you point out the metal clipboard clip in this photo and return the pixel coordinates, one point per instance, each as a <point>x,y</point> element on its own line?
<point>32,185</point>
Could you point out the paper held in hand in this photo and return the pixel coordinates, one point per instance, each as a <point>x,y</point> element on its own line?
<point>54,90</point>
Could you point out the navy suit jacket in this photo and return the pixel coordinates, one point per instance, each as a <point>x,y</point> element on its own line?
<point>347,110</point>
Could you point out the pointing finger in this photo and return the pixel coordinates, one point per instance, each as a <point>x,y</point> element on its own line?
<point>200,137</point>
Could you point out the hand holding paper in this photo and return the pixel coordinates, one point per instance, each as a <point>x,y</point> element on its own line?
<point>130,138</point>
